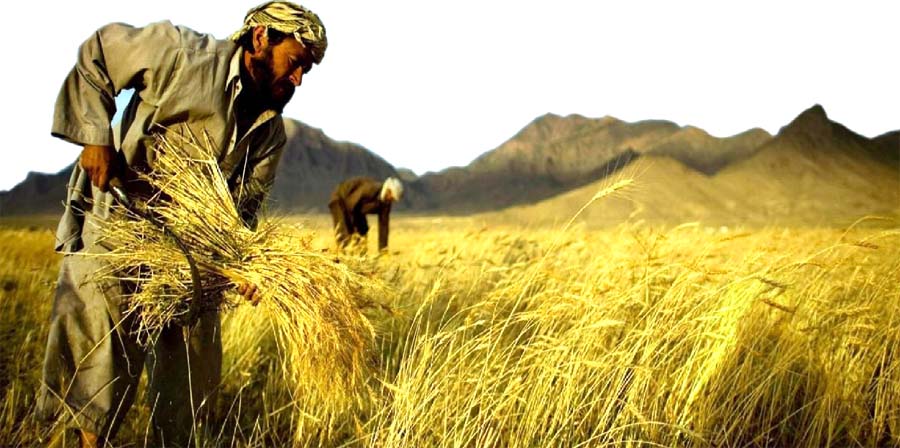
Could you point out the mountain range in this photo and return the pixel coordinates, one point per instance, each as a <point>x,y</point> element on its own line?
<point>812,172</point>
<point>813,169</point>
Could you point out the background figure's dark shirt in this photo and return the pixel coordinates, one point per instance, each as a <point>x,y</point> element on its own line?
<point>358,197</point>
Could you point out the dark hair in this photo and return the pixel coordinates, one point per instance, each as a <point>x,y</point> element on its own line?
<point>275,37</point>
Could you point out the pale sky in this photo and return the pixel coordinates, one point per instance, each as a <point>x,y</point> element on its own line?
<point>432,84</point>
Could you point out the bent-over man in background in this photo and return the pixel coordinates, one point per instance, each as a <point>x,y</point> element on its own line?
<point>230,93</point>
<point>355,198</point>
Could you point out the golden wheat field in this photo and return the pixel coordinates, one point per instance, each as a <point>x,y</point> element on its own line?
<point>507,336</point>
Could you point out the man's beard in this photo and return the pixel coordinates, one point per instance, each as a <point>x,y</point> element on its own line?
<point>271,93</point>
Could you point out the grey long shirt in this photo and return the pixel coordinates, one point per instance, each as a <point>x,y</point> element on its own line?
<point>183,82</point>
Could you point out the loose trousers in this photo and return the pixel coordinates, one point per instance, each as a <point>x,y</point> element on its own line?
<point>93,361</point>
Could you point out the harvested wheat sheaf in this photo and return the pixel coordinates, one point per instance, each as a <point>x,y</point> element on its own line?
<point>314,304</point>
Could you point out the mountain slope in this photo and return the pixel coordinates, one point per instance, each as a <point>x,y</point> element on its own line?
<point>815,167</point>
<point>814,171</point>
<point>313,164</point>
<point>554,154</point>
<point>664,190</point>
<point>697,149</point>
<point>38,194</point>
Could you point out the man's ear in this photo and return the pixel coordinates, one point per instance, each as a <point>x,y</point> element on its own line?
<point>260,39</point>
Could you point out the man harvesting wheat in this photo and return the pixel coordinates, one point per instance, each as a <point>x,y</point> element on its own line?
<point>231,92</point>
<point>355,198</point>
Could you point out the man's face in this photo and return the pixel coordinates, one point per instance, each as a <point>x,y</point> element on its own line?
<point>278,69</point>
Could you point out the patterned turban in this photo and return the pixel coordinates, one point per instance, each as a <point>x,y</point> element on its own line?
<point>291,19</point>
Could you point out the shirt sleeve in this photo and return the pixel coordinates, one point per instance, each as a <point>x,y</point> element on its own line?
<point>116,57</point>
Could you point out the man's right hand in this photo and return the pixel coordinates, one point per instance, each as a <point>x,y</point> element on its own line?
<point>100,163</point>
<point>249,291</point>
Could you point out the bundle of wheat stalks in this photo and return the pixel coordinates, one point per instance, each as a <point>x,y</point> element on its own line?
<point>315,305</point>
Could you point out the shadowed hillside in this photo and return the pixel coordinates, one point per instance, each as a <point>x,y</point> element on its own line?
<point>38,194</point>
<point>554,154</point>
<point>815,166</point>
<point>664,191</point>
<point>814,171</point>
<point>313,164</point>
<point>698,150</point>
<point>887,148</point>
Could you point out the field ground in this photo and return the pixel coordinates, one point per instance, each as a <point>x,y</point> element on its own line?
<point>501,335</point>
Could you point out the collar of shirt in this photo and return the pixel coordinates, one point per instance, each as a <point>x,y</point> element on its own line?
<point>234,72</point>
<point>234,79</point>
<point>235,86</point>
<point>236,150</point>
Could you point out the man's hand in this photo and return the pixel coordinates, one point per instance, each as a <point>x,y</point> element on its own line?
<point>100,163</point>
<point>250,292</point>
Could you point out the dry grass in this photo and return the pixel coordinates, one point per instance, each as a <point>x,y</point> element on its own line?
<point>28,269</point>
<point>635,336</point>
<point>679,338</point>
